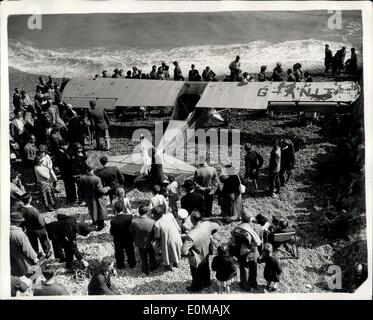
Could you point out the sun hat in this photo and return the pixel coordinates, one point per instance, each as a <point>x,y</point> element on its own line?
<point>182,213</point>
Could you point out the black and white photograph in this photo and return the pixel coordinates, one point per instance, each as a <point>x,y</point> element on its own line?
<point>214,149</point>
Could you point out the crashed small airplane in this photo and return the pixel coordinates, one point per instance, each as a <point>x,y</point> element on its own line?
<point>194,103</point>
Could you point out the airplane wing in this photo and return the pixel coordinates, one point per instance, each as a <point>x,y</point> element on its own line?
<point>258,95</point>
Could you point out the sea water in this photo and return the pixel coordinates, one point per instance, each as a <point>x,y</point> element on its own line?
<point>84,45</point>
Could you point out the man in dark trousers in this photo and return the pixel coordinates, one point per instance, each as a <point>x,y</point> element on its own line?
<point>63,233</point>
<point>328,61</point>
<point>64,163</point>
<point>93,193</point>
<point>100,122</point>
<point>110,177</point>
<point>192,200</point>
<point>196,248</point>
<point>123,239</point>
<point>253,162</point>
<point>143,232</point>
<point>274,168</point>
<point>287,160</point>
<point>206,181</point>
<point>75,128</point>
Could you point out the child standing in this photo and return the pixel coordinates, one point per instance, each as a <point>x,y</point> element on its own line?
<point>122,196</point>
<point>225,268</point>
<point>272,268</point>
<point>173,194</point>
<point>158,199</point>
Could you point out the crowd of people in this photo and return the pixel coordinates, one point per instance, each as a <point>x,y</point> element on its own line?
<point>50,138</point>
<point>336,63</point>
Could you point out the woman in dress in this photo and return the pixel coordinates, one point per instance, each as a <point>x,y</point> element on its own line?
<point>167,233</point>
<point>231,200</point>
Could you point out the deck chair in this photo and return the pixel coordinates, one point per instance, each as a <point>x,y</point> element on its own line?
<point>290,236</point>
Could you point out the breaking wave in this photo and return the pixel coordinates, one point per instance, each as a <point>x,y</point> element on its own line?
<point>88,62</point>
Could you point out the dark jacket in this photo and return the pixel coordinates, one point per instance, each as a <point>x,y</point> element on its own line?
<point>194,75</point>
<point>64,163</point>
<point>224,266</point>
<point>231,184</point>
<point>100,283</point>
<point>33,220</point>
<point>92,191</point>
<point>287,154</point>
<point>120,229</point>
<point>75,130</point>
<point>193,200</point>
<point>253,161</point>
<point>78,165</point>
<point>142,231</point>
<point>110,176</point>
<point>272,268</point>
<point>64,231</point>
<point>99,119</point>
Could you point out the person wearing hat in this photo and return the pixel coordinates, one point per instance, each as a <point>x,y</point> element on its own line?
<point>62,233</point>
<point>194,74</point>
<point>192,200</point>
<point>110,176</point>
<point>50,286</point>
<point>186,224</point>
<point>208,75</point>
<point>92,191</point>
<point>178,75</point>
<point>142,229</point>
<point>328,60</point>
<point>123,239</point>
<point>23,257</point>
<point>278,73</point>
<point>100,123</point>
<point>206,181</point>
<point>253,162</point>
<point>196,248</point>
